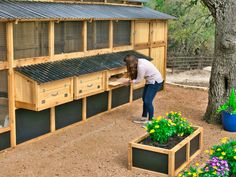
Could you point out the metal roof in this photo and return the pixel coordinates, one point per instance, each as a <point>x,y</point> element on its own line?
<point>51,71</point>
<point>26,10</point>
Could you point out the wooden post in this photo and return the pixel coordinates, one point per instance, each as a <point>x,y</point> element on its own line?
<point>132,34</point>
<point>11,86</point>
<point>51,39</point>
<point>111,35</point>
<point>165,55</point>
<point>85,36</point>
<point>84,109</point>
<point>52,119</point>
<point>151,39</point>
<point>171,159</point>
<point>109,100</point>
<point>131,93</point>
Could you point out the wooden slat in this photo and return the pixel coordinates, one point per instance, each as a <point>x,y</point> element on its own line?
<point>130,156</point>
<point>109,100</point>
<point>11,86</point>
<point>3,65</point>
<point>5,129</point>
<point>131,93</point>
<point>151,148</point>
<point>149,171</point>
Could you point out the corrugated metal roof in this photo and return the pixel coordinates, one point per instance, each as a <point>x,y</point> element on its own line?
<point>51,71</point>
<point>17,10</point>
<point>137,0</point>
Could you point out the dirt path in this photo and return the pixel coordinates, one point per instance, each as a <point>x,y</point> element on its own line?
<point>98,148</point>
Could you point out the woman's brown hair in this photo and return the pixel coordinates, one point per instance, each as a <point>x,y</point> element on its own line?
<point>132,66</point>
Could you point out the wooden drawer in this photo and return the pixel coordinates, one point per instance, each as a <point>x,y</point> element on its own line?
<point>54,94</point>
<point>89,84</point>
<point>115,78</point>
<point>31,95</point>
<point>139,85</point>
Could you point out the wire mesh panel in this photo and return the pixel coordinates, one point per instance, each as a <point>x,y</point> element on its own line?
<point>3,53</point>
<point>115,1</point>
<point>4,119</point>
<point>121,33</point>
<point>68,37</point>
<point>30,39</point>
<point>94,1</point>
<point>98,35</point>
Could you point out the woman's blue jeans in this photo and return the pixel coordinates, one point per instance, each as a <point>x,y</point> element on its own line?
<point>149,93</point>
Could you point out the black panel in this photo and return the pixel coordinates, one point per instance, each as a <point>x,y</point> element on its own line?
<point>194,145</point>
<point>4,140</point>
<point>138,93</point>
<point>120,96</point>
<point>180,157</point>
<point>31,124</point>
<point>150,160</point>
<point>97,104</point>
<point>68,114</point>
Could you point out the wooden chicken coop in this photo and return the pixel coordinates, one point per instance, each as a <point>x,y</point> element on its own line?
<point>60,61</point>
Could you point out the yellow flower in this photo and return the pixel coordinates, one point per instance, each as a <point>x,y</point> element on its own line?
<point>189,173</point>
<point>206,151</point>
<point>167,113</point>
<point>199,171</point>
<point>197,164</point>
<point>180,175</point>
<point>218,149</point>
<point>224,140</point>
<point>235,157</point>
<point>215,167</point>
<point>181,125</point>
<point>170,121</point>
<point>152,131</point>
<point>211,151</point>
<point>214,173</point>
<point>194,174</point>
<point>221,157</point>
<point>223,153</point>
<point>157,126</point>
<point>159,118</point>
<point>235,150</point>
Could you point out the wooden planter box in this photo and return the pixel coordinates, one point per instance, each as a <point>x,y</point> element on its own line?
<point>165,162</point>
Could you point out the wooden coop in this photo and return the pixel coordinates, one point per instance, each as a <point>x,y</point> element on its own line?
<point>60,61</point>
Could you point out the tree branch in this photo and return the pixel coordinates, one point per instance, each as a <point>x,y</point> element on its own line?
<point>211,4</point>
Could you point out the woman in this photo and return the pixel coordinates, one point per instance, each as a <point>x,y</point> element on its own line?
<point>139,69</point>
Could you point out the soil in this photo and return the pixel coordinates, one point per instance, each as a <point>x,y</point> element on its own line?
<point>196,77</point>
<point>172,142</point>
<point>98,148</point>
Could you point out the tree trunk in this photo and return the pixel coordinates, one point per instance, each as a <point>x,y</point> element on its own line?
<point>223,74</point>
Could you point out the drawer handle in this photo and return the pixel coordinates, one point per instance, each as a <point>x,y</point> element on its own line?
<point>80,91</point>
<point>43,102</point>
<point>54,94</point>
<point>99,87</point>
<point>89,85</point>
<point>66,95</point>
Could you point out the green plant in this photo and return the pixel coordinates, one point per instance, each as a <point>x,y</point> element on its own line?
<point>161,130</point>
<point>230,105</point>
<point>183,127</point>
<point>226,151</point>
<point>215,167</point>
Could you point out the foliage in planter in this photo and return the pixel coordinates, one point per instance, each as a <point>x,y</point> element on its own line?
<point>215,167</point>
<point>222,161</point>
<point>183,127</point>
<point>226,151</point>
<point>162,129</point>
<point>230,105</point>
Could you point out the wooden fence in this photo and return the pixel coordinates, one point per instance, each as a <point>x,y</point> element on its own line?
<point>181,63</point>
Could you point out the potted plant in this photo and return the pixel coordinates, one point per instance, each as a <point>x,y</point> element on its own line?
<point>170,143</point>
<point>228,111</point>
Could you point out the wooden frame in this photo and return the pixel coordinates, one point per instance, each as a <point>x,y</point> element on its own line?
<point>10,64</point>
<point>190,152</point>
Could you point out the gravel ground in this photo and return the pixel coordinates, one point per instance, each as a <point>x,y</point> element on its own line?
<point>98,148</point>
<point>193,77</point>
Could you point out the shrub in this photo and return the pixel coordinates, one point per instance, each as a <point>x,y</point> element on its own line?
<point>161,130</point>
<point>183,127</point>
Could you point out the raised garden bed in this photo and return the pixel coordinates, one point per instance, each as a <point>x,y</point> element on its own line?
<point>164,161</point>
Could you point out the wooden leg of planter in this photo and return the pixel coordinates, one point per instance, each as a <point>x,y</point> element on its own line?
<point>188,152</point>
<point>52,119</point>
<point>130,156</point>
<point>84,109</point>
<point>201,138</point>
<point>171,168</point>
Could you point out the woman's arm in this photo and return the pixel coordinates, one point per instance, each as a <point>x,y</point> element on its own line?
<point>140,75</point>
